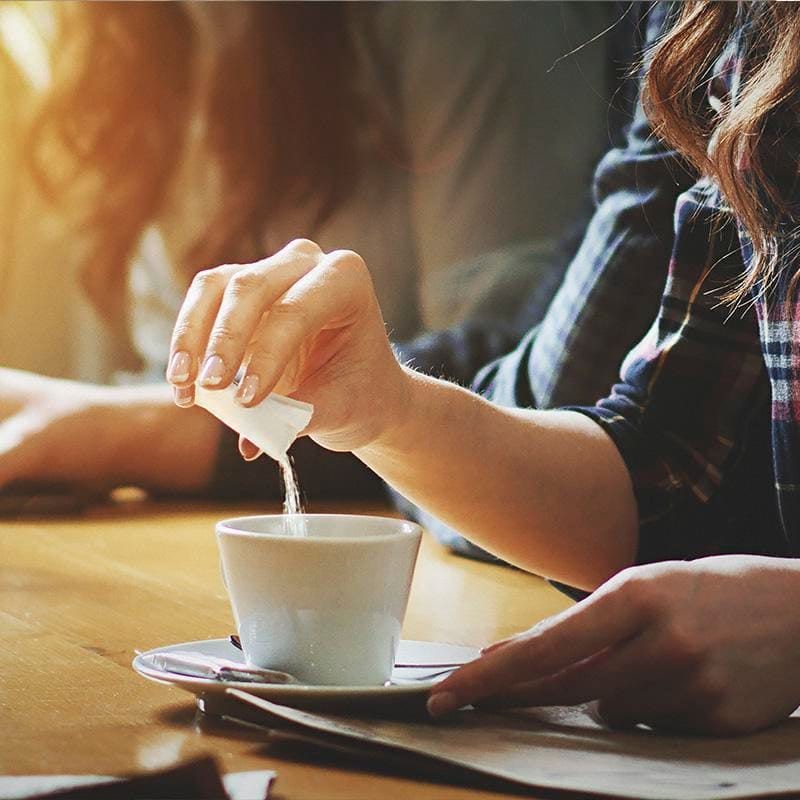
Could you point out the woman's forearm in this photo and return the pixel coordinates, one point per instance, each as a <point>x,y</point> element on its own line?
<point>545,490</point>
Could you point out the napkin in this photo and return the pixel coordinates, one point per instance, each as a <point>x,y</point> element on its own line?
<point>201,665</point>
<point>564,750</point>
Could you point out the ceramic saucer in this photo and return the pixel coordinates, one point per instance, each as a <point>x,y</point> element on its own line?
<point>408,688</point>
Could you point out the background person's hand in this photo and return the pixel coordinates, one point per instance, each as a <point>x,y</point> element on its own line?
<point>83,436</point>
<point>710,646</point>
<point>50,430</point>
<point>302,322</point>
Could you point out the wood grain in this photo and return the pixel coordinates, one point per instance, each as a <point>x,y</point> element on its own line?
<point>79,595</point>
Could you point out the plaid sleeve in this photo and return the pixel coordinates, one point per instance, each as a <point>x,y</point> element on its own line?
<point>612,288</point>
<point>691,395</point>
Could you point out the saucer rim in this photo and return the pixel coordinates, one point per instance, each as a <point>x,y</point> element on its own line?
<point>200,686</point>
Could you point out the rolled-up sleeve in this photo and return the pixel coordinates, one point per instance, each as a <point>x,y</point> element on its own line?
<point>688,415</point>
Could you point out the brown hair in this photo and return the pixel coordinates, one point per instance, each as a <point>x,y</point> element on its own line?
<point>285,120</point>
<point>749,157</point>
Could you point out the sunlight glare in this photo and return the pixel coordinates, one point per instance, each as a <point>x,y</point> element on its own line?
<point>24,43</point>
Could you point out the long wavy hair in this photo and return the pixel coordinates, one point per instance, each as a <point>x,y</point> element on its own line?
<point>285,123</point>
<point>750,147</point>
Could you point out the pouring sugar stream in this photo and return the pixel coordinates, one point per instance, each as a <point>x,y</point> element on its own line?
<point>272,426</point>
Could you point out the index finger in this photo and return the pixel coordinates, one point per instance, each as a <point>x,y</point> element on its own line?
<point>594,624</point>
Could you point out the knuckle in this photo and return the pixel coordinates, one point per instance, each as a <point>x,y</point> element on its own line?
<point>709,689</point>
<point>622,579</point>
<point>208,279</point>
<point>260,356</point>
<point>222,337</point>
<point>641,593</point>
<point>348,261</point>
<point>683,646</point>
<point>244,282</point>
<point>304,247</point>
<point>288,311</point>
<point>182,331</point>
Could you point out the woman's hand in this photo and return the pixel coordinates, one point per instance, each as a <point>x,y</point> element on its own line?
<point>710,646</point>
<point>302,322</point>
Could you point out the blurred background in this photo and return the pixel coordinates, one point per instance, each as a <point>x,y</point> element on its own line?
<point>450,144</point>
<point>142,142</point>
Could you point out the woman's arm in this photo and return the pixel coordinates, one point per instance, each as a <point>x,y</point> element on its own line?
<point>546,490</point>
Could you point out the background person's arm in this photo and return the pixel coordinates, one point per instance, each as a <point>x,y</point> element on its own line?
<point>95,438</point>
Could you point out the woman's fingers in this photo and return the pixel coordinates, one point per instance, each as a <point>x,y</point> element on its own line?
<point>596,624</point>
<point>327,296</point>
<point>601,675</point>
<point>194,322</point>
<point>221,311</point>
<point>251,292</point>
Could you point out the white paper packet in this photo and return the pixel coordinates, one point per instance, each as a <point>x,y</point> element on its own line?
<point>272,425</point>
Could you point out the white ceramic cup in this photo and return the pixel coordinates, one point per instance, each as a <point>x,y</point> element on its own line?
<point>327,607</point>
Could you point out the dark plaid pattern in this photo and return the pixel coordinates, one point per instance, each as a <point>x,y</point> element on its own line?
<point>611,291</point>
<point>689,413</point>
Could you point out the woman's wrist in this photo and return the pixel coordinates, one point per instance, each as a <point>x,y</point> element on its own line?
<point>422,405</point>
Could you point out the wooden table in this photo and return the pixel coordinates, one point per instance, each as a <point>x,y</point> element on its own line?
<point>79,595</point>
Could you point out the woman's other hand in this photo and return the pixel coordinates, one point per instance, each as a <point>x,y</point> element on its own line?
<point>302,322</point>
<point>709,646</point>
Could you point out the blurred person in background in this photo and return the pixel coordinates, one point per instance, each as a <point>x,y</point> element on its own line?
<point>146,141</point>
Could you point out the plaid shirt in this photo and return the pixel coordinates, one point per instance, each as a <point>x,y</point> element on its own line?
<point>707,411</point>
<point>614,282</point>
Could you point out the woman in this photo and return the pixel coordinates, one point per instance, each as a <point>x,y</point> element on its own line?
<point>177,135</point>
<point>692,456</point>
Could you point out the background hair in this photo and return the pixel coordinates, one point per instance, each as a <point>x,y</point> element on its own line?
<point>284,124</point>
<point>752,156</point>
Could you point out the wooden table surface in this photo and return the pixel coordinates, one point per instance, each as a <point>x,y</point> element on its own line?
<point>78,595</point>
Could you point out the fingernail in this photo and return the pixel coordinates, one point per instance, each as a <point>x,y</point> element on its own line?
<point>183,396</point>
<point>178,370</point>
<point>442,703</point>
<point>213,371</point>
<point>248,450</point>
<point>247,390</point>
